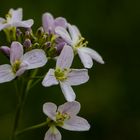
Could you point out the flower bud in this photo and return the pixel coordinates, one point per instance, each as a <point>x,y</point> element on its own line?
<point>27,43</point>
<point>5,50</point>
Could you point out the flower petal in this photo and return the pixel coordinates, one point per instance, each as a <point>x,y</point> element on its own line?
<point>16,15</point>
<point>6,73</point>
<point>65,58</point>
<point>85,58</point>
<point>95,55</point>
<point>5,50</point>
<point>25,24</point>
<point>60,22</point>
<point>2,20</point>
<point>67,91</point>
<point>49,79</point>
<point>3,26</point>
<point>71,108</point>
<point>48,22</point>
<point>62,32</point>
<point>74,32</point>
<point>76,123</point>
<point>77,76</point>
<point>16,52</point>
<point>52,134</point>
<point>34,59</point>
<point>49,109</point>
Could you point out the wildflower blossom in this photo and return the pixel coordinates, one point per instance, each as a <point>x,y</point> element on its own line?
<point>65,76</point>
<point>49,23</point>
<point>14,19</point>
<point>66,117</point>
<point>21,62</point>
<point>74,39</point>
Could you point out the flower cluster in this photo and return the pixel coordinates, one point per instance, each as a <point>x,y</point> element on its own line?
<point>27,50</point>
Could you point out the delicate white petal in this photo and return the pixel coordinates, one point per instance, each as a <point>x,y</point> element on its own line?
<point>34,59</point>
<point>65,58</point>
<point>2,20</point>
<point>85,58</point>
<point>67,91</point>
<point>52,134</point>
<point>25,24</point>
<point>49,109</point>
<point>6,73</point>
<point>5,25</point>
<point>16,14</point>
<point>48,22</point>
<point>16,52</point>
<point>60,22</point>
<point>62,32</point>
<point>5,50</point>
<point>74,33</point>
<point>95,55</point>
<point>76,123</point>
<point>49,79</point>
<point>77,76</point>
<point>71,108</point>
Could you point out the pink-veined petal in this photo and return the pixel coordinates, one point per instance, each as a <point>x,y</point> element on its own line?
<point>53,134</point>
<point>5,25</point>
<point>16,15</point>
<point>77,76</point>
<point>71,108</point>
<point>67,91</point>
<point>74,32</point>
<point>60,22</point>
<point>6,73</point>
<point>16,52</point>
<point>65,58</point>
<point>48,22</point>
<point>62,32</point>
<point>49,79</point>
<point>76,123</point>
<point>85,58</point>
<point>34,59</point>
<point>25,24</point>
<point>2,20</point>
<point>95,55</point>
<point>5,50</point>
<point>49,109</point>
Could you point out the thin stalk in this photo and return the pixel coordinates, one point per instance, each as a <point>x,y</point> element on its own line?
<point>32,128</point>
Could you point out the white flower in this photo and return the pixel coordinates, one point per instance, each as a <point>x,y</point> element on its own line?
<point>14,19</point>
<point>20,63</point>
<point>65,76</point>
<point>74,39</point>
<point>66,117</point>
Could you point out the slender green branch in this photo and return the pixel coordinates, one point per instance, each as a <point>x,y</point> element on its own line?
<point>32,128</point>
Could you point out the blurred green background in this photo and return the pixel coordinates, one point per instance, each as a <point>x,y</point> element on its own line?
<point>111,99</point>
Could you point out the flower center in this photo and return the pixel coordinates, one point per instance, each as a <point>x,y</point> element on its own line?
<point>16,66</point>
<point>61,117</point>
<point>81,43</point>
<point>60,74</point>
<point>8,17</point>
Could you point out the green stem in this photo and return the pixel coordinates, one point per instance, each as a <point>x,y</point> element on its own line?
<point>32,128</point>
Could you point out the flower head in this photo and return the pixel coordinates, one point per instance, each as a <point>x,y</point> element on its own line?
<point>74,39</point>
<point>66,117</point>
<point>49,23</point>
<point>21,62</point>
<point>65,76</point>
<point>14,19</point>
